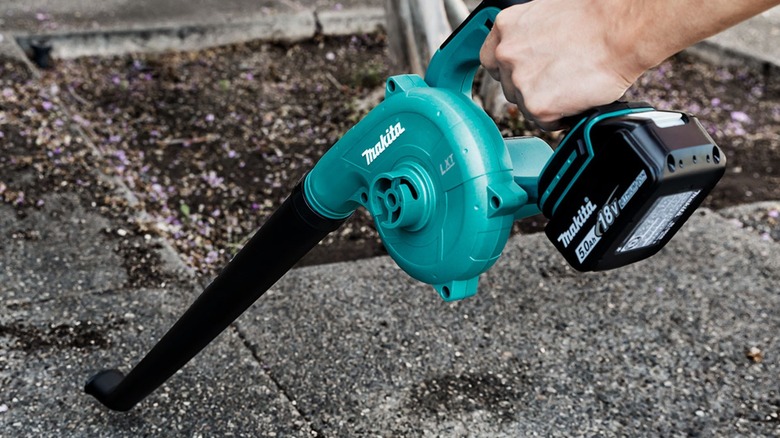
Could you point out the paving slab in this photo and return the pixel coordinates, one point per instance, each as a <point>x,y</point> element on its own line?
<point>49,349</point>
<point>682,344</point>
<point>51,252</point>
<point>66,312</point>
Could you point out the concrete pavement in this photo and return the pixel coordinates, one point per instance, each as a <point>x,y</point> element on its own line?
<point>661,348</point>
<point>682,344</point>
<point>656,349</point>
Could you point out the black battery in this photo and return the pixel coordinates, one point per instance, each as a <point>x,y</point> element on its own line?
<point>623,182</point>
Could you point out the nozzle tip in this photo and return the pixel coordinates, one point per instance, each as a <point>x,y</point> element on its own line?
<point>102,386</point>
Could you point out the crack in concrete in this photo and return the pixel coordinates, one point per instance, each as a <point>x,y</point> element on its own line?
<point>279,386</point>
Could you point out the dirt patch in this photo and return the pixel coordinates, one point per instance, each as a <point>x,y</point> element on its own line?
<point>82,334</point>
<point>212,141</point>
<point>456,395</point>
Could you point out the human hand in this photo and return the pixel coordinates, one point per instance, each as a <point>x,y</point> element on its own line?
<point>558,58</point>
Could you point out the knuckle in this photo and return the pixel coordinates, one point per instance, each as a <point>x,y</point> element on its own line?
<point>504,54</point>
<point>502,21</point>
<point>537,107</point>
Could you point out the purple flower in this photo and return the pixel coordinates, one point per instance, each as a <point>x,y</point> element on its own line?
<point>212,179</point>
<point>7,92</point>
<point>81,120</point>
<point>211,257</point>
<point>739,116</point>
<point>209,118</point>
<point>122,157</point>
<point>774,214</point>
<point>47,105</point>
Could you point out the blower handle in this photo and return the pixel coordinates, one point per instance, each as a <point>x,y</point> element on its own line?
<point>454,65</point>
<point>456,62</point>
<point>288,235</point>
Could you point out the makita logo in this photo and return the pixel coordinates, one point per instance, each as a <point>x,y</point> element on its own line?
<point>391,134</point>
<point>577,222</point>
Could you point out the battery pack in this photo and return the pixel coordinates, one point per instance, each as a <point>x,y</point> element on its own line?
<point>623,182</point>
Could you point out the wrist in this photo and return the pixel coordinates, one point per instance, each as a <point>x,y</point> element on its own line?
<point>631,37</point>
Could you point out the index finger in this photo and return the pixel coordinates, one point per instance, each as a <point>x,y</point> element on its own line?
<point>487,54</point>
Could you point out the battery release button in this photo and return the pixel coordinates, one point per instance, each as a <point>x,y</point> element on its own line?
<point>662,119</point>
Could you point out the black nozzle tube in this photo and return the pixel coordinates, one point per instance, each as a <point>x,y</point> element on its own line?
<point>291,232</point>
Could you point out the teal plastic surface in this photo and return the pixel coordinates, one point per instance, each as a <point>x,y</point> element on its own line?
<point>454,65</point>
<point>434,171</point>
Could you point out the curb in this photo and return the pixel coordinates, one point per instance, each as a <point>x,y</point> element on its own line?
<point>712,52</point>
<point>10,49</point>
<point>294,26</point>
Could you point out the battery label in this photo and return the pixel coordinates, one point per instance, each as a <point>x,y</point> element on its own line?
<point>588,243</point>
<point>607,216</point>
<point>658,221</point>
